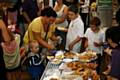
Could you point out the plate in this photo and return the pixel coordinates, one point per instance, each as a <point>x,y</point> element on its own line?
<point>85,61</point>
<point>56,61</point>
<point>49,78</point>
<point>50,57</point>
<point>67,72</point>
<point>62,28</point>
<point>67,60</point>
<point>88,56</point>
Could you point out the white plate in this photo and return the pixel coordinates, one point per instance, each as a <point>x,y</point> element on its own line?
<point>61,28</point>
<point>56,61</point>
<point>49,77</point>
<point>67,60</point>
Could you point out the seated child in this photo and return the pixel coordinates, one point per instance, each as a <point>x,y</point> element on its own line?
<point>35,64</point>
<point>114,51</point>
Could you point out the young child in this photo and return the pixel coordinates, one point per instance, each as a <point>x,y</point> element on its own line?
<point>12,57</point>
<point>75,31</point>
<point>95,38</point>
<point>35,64</point>
<point>113,40</point>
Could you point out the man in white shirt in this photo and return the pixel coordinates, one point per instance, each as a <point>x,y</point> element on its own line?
<point>75,31</point>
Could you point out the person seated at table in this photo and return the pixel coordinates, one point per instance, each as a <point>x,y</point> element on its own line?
<point>42,29</point>
<point>75,30</point>
<point>113,40</point>
<point>36,67</point>
<point>95,37</point>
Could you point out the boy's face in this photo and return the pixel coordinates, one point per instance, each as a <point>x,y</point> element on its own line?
<point>93,27</point>
<point>71,15</point>
<point>35,48</point>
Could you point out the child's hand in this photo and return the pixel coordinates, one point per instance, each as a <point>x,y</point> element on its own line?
<point>22,52</point>
<point>96,44</point>
<point>71,46</point>
<point>59,39</point>
<point>108,51</point>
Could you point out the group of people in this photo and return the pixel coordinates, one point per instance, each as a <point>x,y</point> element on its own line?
<point>45,28</point>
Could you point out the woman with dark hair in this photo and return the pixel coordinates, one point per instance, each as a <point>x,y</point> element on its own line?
<point>113,39</point>
<point>42,28</point>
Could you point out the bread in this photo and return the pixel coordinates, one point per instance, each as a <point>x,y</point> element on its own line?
<point>69,55</point>
<point>79,71</point>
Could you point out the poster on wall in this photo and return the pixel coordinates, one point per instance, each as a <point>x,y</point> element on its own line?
<point>105,3</point>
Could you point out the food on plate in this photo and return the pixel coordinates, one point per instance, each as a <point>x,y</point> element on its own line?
<point>50,57</point>
<point>91,73</point>
<point>59,57</point>
<point>69,55</point>
<point>91,54</point>
<point>91,65</point>
<point>79,71</point>
<point>87,56</point>
<point>56,61</point>
<point>74,65</point>
<point>70,64</point>
<point>54,79</point>
<point>84,57</point>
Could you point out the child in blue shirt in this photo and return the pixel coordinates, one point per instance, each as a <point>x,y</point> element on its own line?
<point>35,63</point>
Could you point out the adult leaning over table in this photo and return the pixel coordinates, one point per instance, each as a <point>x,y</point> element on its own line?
<point>42,29</point>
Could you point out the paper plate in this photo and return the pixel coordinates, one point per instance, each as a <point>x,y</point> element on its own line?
<point>49,77</point>
<point>67,60</point>
<point>61,28</point>
<point>56,61</point>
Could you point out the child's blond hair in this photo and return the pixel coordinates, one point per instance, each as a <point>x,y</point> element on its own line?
<point>32,43</point>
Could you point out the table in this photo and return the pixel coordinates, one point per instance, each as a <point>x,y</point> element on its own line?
<point>51,67</point>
